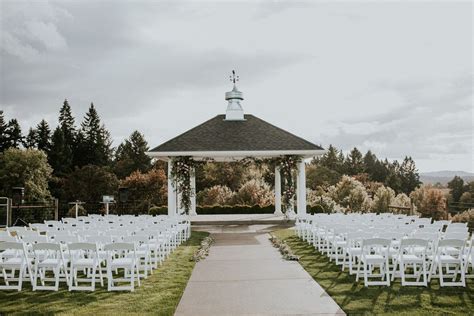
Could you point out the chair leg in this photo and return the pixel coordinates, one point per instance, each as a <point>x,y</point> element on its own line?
<point>440,272</point>
<point>20,278</point>
<point>56,284</point>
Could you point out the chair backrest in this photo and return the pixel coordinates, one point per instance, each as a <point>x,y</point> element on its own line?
<point>11,245</point>
<point>456,243</point>
<point>413,242</point>
<point>373,242</point>
<point>7,238</point>
<point>35,239</point>
<point>82,246</point>
<point>120,246</point>
<point>4,233</point>
<point>66,239</point>
<point>46,246</point>
<point>456,235</point>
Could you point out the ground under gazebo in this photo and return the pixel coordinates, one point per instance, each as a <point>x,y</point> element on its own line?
<point>233,137</point>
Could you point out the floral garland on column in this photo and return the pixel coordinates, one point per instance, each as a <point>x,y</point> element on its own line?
<point>181,168</point>
<point>288,166</point>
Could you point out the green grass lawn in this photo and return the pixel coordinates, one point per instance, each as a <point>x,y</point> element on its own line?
<point>355,299</point>
<point>157,295</point>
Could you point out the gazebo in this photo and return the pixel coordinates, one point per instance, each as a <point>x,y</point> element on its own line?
<point>233,137</point>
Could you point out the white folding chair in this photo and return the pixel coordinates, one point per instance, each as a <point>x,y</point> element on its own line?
<point>84,256</point>
<point>12,263</point>
<point>412,252</point>
<point>121,256</point>
<point>48,257</point>
<point>375,251</point>
<point>468,259</point>
<point>449,253</point>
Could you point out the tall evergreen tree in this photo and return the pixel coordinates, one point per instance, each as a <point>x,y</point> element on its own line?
<point>66,123</point>
<point>410,179</point>
<point>13,133</point>
<point>60,157</point>
<point>4,142</point>
<point>131,156</point>
<point>457,188</point>
<point>30,139</point>
<point>43,136</point>
<point>380,171</point>
<point>354,164</point>
<point>332,159</point>
<point>369,163</point>
<point>393,179</point>
<point>69,136</point>
<point>94,141</point>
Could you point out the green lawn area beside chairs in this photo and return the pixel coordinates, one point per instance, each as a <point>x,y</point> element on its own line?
<point>355,299</point>
<point>159,294</point>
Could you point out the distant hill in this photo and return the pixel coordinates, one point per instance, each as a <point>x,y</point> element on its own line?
<point>444,176</point>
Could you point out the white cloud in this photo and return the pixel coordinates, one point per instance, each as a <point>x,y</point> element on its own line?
<point>384,76</point>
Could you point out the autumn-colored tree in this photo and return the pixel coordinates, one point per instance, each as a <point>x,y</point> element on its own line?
<point>430,202</point>
<point>149,187</point>
<point>383,198</point>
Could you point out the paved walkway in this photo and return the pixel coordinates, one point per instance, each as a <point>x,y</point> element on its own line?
<point>245,274</point>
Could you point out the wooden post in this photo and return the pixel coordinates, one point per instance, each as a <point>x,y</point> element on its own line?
<point>9,212</point>
<point>56,209</point>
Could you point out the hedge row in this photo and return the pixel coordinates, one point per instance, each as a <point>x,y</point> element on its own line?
<point>232,209</point>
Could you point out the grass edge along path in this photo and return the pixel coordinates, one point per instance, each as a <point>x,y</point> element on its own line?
<point>159,294</point>
<point>355,299</point>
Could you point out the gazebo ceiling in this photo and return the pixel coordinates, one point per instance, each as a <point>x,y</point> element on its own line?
<point>223,139</point>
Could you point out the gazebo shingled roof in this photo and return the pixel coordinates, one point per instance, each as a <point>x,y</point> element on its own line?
<point>251,134</point>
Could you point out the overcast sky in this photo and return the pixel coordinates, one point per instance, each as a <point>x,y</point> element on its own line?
<point>393,77</point>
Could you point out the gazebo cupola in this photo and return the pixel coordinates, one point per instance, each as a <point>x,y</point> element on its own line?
<point>234,111</point>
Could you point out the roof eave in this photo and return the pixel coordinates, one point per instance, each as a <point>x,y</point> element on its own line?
<point>235,155</point>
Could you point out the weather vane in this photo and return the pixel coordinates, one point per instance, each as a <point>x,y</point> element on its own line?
<point>234,78</point>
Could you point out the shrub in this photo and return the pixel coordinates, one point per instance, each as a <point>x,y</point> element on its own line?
<point>430,202</point>
<point>254,192</point>
<point>350,194</point>
<point>384,197</point>
<point>218,194</point>
<point>158,210</point>
<point>235,209</point>
<point>465,217</point>
<point>321,203</point>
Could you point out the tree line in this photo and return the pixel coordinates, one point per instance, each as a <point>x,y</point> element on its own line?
<point>402,177</point>
<point>77,161</point>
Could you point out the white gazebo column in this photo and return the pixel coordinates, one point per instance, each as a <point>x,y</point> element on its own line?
<point>301,188</point>
<point>171,193</point>
<point>192,211</point>
<point>277,191</point>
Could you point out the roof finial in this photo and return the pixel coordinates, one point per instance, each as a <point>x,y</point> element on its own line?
<point>234,78</point>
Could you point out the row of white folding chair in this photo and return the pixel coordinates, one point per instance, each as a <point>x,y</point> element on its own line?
<point>316,229</point>
<point>49,257</point>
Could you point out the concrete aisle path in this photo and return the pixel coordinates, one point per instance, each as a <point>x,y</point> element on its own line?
<point>245,274</point>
